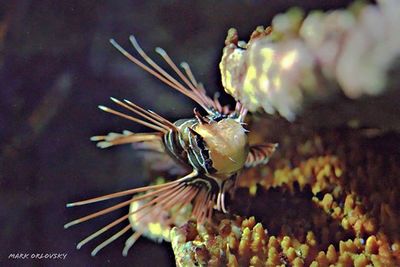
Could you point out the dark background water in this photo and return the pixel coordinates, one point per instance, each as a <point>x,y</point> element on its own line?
<point>56,66</point>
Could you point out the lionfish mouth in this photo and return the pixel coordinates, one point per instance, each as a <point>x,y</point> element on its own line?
<point>191,188</point>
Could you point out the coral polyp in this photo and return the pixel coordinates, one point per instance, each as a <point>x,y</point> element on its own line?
<point>321,201</point>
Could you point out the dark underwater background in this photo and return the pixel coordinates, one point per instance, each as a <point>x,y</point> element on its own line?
<point>56,66</point>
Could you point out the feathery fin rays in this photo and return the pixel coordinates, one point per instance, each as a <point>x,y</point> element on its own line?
<point>154,121</point>
<point>152,126</point>
<point>158,198</point>
<point>125,217</point>
<point>182,199</point>
<point>196,92</point>
<point>165,199</point>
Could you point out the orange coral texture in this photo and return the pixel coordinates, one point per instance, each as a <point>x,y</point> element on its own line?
<point>325,199</point>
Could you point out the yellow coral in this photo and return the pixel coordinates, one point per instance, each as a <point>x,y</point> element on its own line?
<point>320,205</point>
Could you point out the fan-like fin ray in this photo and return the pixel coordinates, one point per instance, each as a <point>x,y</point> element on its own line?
<point>260,154</point>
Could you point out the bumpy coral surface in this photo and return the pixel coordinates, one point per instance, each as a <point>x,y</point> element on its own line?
<point>329,196</point>
<point>326,197</point>
<point>300,59</point>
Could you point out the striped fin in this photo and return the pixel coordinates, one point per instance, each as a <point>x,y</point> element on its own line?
<point>260,154</point>
<point>125,137</point>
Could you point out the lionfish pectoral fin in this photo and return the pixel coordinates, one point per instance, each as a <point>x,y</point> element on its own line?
<point>260,154</point>
<point>157,198</point>
<point>125,137</point>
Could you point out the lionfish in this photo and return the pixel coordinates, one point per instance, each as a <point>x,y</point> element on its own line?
<point>215,146</point>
